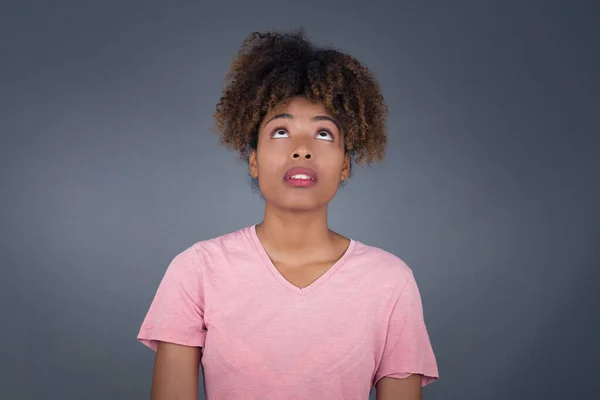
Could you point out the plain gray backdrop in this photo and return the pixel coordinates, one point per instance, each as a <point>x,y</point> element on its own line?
<point>489,191</point>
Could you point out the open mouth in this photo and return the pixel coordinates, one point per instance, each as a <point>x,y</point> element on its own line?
<point>300,176</point>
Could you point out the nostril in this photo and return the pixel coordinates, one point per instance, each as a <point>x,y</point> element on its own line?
<point>307,156</point>
<point>296,155</point>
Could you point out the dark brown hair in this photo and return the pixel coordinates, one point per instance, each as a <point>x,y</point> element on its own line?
<point>271,68</point>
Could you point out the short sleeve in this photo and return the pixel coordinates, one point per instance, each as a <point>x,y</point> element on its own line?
<point>407,348</point>
<point>176,314</point>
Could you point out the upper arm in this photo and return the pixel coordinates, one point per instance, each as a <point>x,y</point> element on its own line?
<point>408,388</point>
<point>176,372</point>
<point>176,314</point>
<point>174,327</point>
<point>406,345</point>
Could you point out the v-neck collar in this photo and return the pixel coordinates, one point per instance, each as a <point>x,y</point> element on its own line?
<point>318,282</point>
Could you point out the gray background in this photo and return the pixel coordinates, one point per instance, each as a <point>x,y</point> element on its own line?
<point>489,190</point>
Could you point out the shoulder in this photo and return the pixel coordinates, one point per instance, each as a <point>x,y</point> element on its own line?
<point>217,250</point>
<point>388,268</point>
<point>383,260</point>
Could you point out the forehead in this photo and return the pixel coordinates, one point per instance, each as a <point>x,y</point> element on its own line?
<point>300,106</point>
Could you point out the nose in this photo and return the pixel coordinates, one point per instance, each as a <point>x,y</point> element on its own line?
<point>302,150</point>
<point>298,155</point>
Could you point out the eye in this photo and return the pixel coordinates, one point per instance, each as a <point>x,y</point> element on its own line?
<point>324,134</point>
<point>279,133</point>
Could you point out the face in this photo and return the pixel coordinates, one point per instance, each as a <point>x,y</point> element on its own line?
<point>300,159</point>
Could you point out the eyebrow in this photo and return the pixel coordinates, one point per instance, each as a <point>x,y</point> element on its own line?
<point>315,118</point>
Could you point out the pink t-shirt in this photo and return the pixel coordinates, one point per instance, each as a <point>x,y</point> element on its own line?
<point>265,338</point>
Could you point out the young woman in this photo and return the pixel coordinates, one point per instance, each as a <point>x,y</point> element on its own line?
<point>288,308</point>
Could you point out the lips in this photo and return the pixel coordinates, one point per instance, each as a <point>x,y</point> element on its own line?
<point>300,173</point>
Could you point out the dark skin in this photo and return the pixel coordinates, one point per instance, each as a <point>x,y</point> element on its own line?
<point>294,231</point>
<point>176,372</point>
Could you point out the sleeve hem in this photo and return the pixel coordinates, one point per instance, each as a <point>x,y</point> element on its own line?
<point>151,337</point>
<point>428,375</point>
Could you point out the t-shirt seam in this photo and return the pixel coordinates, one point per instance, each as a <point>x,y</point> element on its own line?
<point>201,266</point>
<point>397,299</point>
<point>387,324</point>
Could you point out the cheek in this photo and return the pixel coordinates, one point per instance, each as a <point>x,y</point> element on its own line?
<point>331,163</point>
<point>270,159</point>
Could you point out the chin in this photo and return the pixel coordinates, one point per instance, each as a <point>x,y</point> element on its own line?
<point>296,203</point>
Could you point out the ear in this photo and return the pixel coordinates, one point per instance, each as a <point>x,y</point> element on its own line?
<point>253,164</point>
<point>346,167</point>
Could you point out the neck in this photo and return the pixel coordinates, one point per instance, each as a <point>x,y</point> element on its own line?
<point>290,232</point>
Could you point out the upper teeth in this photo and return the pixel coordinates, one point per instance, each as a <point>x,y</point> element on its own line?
<point>300,176</point>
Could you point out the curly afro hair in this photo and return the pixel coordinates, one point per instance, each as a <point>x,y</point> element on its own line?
<point>272,67</point>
